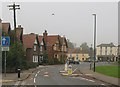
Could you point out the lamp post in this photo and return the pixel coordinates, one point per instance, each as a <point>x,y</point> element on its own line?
<point>94,39</point>
<point>91,56</point>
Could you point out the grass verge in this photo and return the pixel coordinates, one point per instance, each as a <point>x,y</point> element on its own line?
<point>113,71</point>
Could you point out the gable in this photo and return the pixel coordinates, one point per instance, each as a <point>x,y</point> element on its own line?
<point>35,42</point>
<point>42,43</point>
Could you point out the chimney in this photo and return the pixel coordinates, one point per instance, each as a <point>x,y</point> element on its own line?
<point>19,26</point>
<point>45,33</point>
<point>19,32</point>
<point>45,36</point>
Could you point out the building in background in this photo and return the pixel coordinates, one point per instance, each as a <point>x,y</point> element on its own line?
<point>107,52</point>
<point>78,54</point>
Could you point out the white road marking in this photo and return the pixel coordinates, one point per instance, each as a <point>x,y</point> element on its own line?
<point>36,75</point>
<point>34,80</point>
<point>46,75</point>
<point>91,80</point>
<point>102,84</point>
<point>74,70</point>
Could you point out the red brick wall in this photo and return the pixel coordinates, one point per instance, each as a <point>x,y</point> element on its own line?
<point>30,52</point>
<point>18,33</point>
<point>50,51</point>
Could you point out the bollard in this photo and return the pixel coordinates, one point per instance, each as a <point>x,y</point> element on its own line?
<point>18,72</point>
<point>70,70</point>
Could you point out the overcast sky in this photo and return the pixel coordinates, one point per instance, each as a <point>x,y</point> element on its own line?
<point>72,19</point>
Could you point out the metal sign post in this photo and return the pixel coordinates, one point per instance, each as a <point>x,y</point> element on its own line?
<point>5,41</point>
<point>5,64</point>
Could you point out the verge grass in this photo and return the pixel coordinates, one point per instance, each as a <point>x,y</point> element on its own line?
<point>113,71</point>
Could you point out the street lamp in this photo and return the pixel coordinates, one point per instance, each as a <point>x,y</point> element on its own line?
<point>91,55</point>
<point>94,39</point>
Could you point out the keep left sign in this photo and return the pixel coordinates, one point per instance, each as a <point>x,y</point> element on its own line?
<point>5,41</point>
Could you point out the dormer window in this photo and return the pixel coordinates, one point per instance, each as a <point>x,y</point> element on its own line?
<point>34,47</point>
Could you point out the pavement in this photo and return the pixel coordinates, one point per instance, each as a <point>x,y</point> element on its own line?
<point>13,77</point>
<point>101,77</point>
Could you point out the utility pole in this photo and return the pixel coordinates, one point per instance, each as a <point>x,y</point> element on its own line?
<point>94,39</point>
<point>14,8</point>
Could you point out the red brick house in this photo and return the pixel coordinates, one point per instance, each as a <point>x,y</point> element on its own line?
<point>31,46</point>
<point>56,46</point>
<point>5,28</point>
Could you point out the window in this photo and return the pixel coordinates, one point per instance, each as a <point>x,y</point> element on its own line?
<point>82,58</point>
<point>55,55</point>
<point>35,58</point>
<point>41,58</point>
<point>34,47</point>
<point>40,48</point>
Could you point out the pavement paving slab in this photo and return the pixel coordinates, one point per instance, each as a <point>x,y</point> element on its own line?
<point>108,79</point>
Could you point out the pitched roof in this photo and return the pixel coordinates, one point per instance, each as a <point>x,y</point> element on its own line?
<point>51,39</point>
<point>78,51</point>
<point>62,38</point>
<point>5,27</point>
<point>106,45</point>
<point>28,40</point>
<point>40,39</point>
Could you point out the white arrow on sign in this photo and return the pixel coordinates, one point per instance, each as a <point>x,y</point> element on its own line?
<point>3,40</point>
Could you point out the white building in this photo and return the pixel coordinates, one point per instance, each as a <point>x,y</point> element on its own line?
<point>107,52</point>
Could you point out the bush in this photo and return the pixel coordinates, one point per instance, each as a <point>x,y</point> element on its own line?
<point>31,65</point>
<point>51,61</point>
<point>56,61</point>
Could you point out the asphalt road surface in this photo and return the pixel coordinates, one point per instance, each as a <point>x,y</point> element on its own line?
<point>51,76</point>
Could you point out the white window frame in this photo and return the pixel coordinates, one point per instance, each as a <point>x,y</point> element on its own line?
<point>41,58</point>
<point>35,47</point>
<point>35,58</point>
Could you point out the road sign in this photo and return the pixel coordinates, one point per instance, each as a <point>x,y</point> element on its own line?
<point>5,41</point>
<point>5,48</point>
<point>70,69</point>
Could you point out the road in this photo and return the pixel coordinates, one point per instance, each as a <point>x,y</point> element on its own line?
<point>51,76</point>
